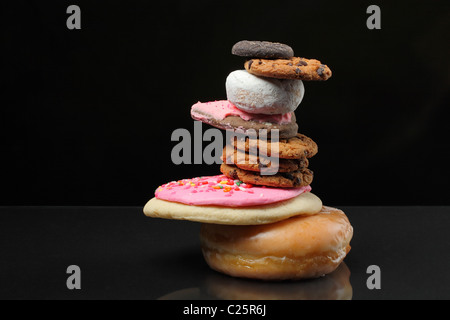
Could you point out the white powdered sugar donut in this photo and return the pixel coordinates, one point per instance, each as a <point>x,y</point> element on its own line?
<point>262,95</point>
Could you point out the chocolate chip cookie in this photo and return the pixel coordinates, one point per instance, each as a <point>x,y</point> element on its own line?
<point>293,68</point>
<point>292,148</point>
<point>294,179</point>
<point>250,162</point>
<point>262,49</point>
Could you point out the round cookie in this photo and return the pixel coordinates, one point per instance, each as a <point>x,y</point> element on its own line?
<point>262,49</point>
<point>292,148</point>
<point>263,95</point>
<point>293,68</point>
<point>222,191</point>
<point>300,247</point>
<point>294,179</point>
<point>250,162</point>
<point>304,204</point>
<point>224,115</point>
<point>248,127</point>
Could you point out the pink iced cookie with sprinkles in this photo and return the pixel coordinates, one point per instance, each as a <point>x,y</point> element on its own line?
<point>222,191</point>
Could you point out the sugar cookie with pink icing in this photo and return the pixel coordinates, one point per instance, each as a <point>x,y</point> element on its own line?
<point>224,115</point>
<point>218,199</point>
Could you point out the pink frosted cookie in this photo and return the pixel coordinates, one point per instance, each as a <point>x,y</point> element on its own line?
<point>222,191</point>
<point>218,199</point>
<point>224,115</point>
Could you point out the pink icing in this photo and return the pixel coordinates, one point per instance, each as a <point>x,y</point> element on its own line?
<point>223,191</point>
<point>221,109</point>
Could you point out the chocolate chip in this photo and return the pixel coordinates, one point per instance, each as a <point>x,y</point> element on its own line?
<point>260,62</point>
<point>287,175</point>
<point>302,162</point>
<point>250,64</point>
<point>297,70</point>
<point>233,174</point>
<point>289,64</point>
<point>320,71</point>
<point>302,63</point>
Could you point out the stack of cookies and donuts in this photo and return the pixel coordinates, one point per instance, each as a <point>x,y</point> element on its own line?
<point>256,225</point>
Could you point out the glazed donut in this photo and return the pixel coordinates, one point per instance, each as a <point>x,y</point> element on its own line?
<point>296,248</point>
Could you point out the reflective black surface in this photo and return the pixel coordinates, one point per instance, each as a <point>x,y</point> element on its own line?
<point>124,255</point>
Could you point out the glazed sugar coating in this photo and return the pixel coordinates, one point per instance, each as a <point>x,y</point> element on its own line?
<point>303,246</point>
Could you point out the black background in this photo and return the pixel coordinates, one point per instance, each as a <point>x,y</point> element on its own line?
<point>86,115</point>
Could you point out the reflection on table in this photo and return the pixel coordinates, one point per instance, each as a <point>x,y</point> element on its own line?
<point>216,286</point>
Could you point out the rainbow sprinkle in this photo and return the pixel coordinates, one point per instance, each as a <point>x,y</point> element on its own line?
<point>223,183</point>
